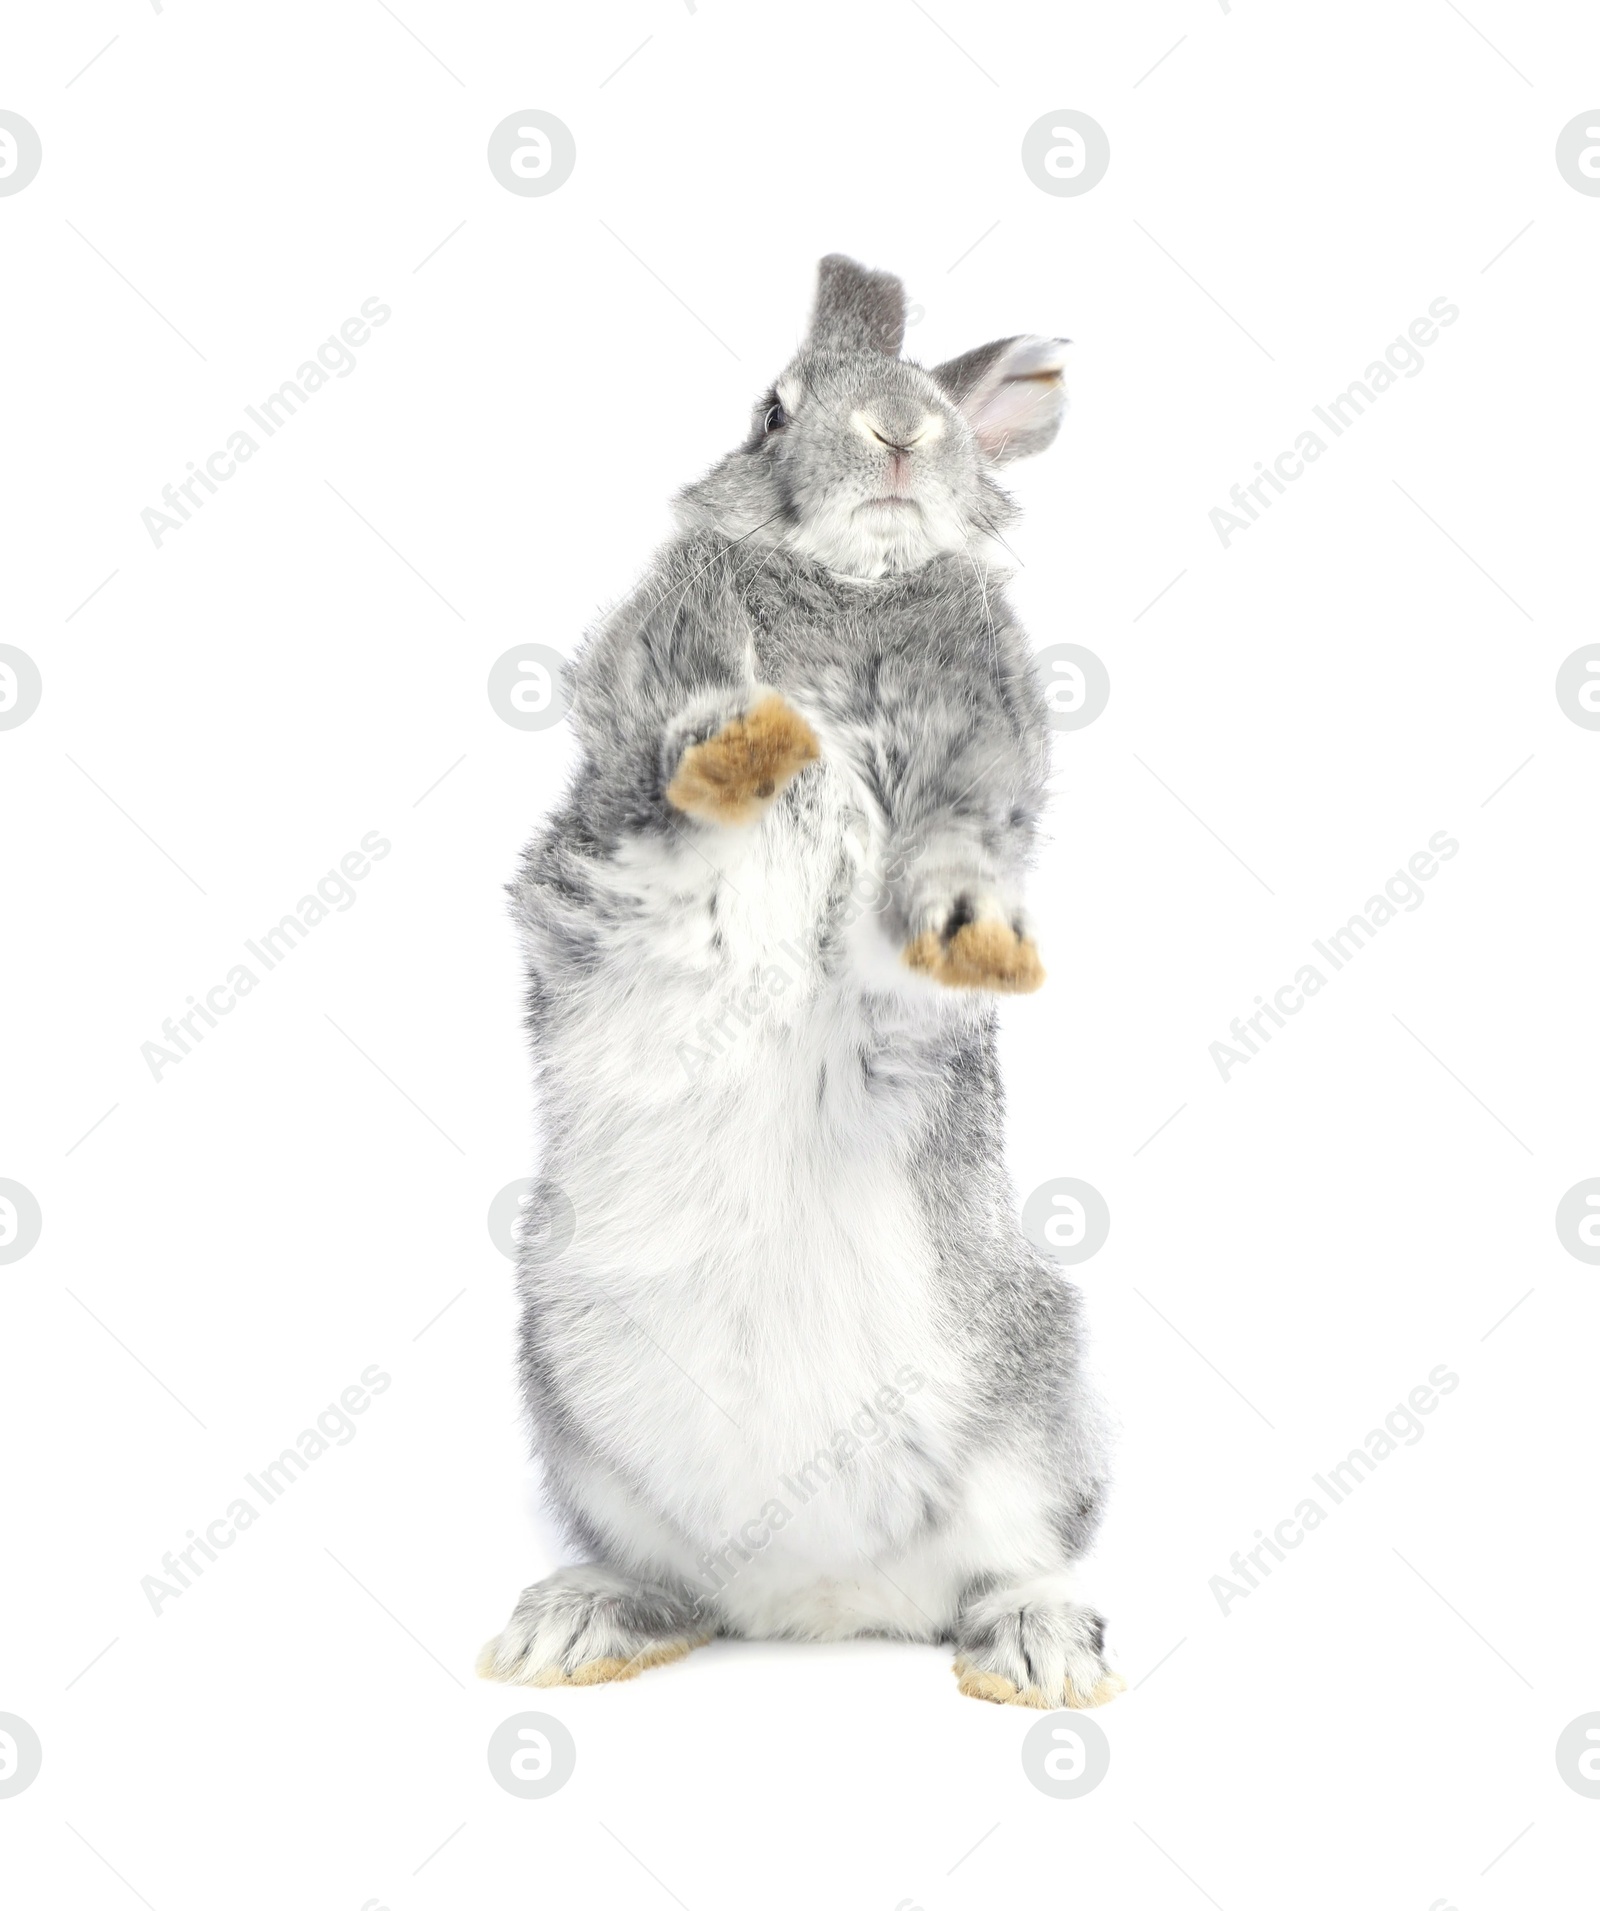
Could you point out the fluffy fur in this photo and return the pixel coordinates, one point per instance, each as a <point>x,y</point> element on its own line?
<point>798,1373</point>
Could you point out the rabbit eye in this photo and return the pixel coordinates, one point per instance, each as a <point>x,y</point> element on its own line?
<point>775,419</point>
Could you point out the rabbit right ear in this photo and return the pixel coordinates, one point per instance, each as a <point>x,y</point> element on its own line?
<point>1010,392</point>
<point>857,310</point>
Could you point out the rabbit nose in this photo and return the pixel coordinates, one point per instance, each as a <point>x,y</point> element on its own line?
<point>900,432</point>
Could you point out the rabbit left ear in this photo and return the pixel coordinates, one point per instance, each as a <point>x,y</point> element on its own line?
<point>1010,393</point>
<point>857,310</point>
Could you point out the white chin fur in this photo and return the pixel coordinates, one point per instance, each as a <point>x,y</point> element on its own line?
<point>870,543</point>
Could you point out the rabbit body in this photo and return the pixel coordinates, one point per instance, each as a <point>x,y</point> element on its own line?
<point>797,1372</point>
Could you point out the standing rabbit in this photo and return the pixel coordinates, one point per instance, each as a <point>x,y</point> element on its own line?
<point>797,1373</point>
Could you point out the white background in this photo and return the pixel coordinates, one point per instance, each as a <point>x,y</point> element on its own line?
<point>1376,1723</point>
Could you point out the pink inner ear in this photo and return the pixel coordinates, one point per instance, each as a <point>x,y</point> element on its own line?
<point>1014,408</point>
<point>1020,397</point>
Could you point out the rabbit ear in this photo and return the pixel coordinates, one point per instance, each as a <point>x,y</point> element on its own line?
<point>857,310</point>
<point>1010,392</point>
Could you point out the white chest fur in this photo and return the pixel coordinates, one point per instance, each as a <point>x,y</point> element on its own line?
<point>749,1243</point>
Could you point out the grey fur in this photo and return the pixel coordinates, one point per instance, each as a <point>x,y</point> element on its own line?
<point>935,751</point>
<point>856,311</point>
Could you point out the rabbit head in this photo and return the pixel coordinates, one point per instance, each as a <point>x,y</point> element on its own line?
<point>866,461</point>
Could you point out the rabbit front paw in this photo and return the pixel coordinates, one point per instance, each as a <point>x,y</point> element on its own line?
<point>1030,1646</point>
<point>732,776</point>
<point>586,1625</point>
<point>974,944</point>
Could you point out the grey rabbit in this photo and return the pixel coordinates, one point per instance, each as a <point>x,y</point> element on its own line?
<point>793,1369</point>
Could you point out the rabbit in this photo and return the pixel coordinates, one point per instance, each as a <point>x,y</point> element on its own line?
<point>792,1368</point>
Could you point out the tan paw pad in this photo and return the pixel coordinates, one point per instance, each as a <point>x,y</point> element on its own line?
<point>1103,1693</point>
<point>986,1685</point>
<point>605,1671</point>
<point>731,777</point>
<point>987,954</point>
<point>999,1690</point>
